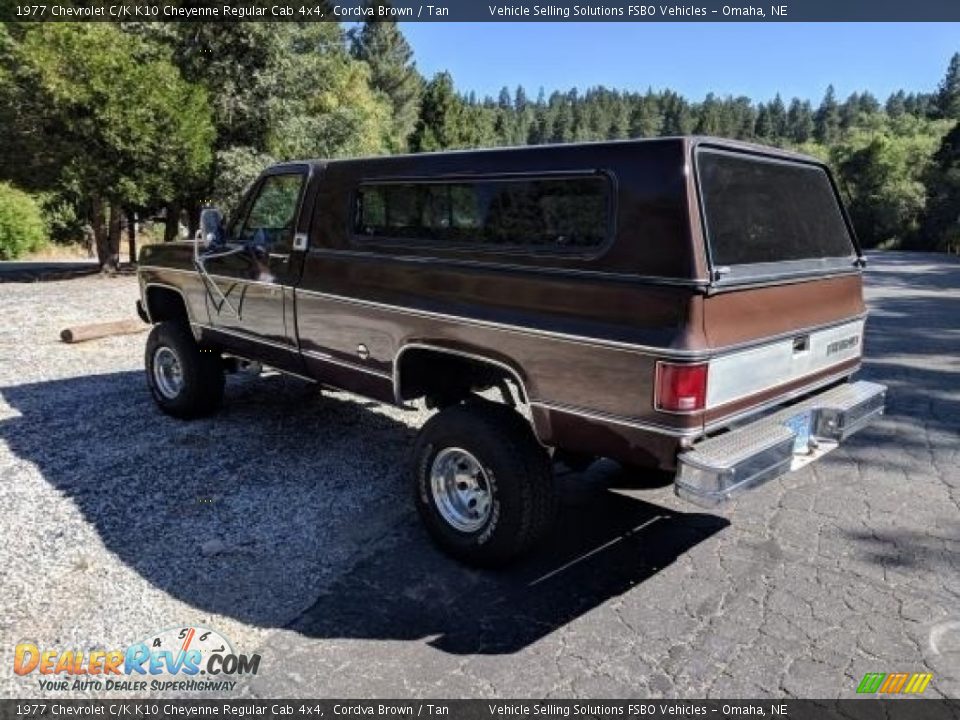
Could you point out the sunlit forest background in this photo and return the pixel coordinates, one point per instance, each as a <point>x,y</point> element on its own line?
<point>104,124</point>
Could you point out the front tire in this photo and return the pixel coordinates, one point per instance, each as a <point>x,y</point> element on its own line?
<point>482,484</point>
<point>186,381</point>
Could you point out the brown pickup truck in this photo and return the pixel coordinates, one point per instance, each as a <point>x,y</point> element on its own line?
<point>687,305</point>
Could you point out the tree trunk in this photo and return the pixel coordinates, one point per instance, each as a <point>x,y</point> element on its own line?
<point>99,231</point>
<point>171,230</point>
<point>112,263</point>
<point>132,236</point>
<point>193,218</point>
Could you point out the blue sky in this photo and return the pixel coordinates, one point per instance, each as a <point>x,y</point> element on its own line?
<point>753,59</point>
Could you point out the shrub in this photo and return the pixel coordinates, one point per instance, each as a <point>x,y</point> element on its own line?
<point>21,224</point>
<point>60,217</point>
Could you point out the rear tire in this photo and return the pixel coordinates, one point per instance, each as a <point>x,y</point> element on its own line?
<point>483,485</point>
<point>186,381</point>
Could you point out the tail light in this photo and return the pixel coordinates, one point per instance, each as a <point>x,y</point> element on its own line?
<point>681,388</point>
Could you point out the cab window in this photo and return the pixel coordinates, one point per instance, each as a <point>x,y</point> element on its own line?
<point>270,221</point>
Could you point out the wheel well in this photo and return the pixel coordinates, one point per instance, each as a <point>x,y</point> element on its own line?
<point>165,303</point>
<point>444,377</point>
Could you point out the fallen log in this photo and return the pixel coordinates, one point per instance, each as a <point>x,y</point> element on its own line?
<point>82,333</point>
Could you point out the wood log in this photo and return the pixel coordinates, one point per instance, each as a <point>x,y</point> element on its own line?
<point>82,333</point>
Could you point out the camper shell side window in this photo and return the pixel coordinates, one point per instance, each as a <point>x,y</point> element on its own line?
<point>520,214</point>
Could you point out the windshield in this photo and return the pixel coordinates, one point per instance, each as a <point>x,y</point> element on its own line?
<point>761,210</point>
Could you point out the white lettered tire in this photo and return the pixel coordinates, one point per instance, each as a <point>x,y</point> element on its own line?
<point>483,485</point>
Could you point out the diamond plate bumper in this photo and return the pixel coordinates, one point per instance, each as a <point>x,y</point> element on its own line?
<point>719,468</point>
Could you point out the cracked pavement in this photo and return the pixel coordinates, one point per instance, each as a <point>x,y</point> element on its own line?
<point>796,589</point>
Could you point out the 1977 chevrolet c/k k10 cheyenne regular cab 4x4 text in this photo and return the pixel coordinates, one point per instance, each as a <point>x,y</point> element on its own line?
<point>687,305</point>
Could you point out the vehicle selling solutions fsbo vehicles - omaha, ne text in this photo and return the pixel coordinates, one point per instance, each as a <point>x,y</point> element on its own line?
<point>687,305</point>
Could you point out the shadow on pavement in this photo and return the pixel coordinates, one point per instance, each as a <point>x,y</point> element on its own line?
<point>308,495</point>
<point>604,544</point>
<point>42,271</point>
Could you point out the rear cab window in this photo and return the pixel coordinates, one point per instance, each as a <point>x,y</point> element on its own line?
<point>768,217</point>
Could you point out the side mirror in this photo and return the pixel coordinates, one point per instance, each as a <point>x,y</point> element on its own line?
<point>211,226</point>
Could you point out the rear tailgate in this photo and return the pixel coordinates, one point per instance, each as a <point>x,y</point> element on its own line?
<point>786,306</point>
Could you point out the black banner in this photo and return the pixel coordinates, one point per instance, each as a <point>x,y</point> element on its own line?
<point>119,709</point>
<point>486,11</point>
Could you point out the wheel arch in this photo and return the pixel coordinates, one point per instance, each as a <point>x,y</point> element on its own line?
<point>164,302</point>
<point>475,358</point>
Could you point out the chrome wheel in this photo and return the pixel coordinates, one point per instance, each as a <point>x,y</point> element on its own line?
<point>461,490</point>
<point>167,372</point>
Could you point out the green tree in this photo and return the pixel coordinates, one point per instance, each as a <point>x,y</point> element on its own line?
<point>778,117</point>
<point>381,45</point>
<point>941,222</point>
<point>129,130</point>
<point>443,117</point>
<point>800,125</point>
<point>897,104</point>
<point>278,91</point>
<point>326,105</point>
<point>677,118</point>
<point>710,121</point>
<point>764,125</point>
<point>744,118</point>
<point>884,171</point>
<point>948,94</point>
<point>827,120</point>
<point>645,117</point>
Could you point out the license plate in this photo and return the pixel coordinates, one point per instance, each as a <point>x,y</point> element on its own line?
<point>800,424</point>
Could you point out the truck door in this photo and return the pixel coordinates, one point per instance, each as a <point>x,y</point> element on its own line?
<point>251,302</point>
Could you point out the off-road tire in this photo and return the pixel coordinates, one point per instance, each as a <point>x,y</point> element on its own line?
<point>202,372</point>
<point>518,470</point>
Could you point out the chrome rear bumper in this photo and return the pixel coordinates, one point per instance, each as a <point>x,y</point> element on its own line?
<point>719,468</point>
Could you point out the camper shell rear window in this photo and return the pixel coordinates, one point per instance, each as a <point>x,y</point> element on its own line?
<point>763,215</point>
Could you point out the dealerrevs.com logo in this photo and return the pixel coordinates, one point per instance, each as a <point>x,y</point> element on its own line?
<point>181,659</point>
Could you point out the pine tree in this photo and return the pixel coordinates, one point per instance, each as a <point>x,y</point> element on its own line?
<point>383,47</point>
<point>827,120</point>
<point>709,122</point>
<point>677,117</point>
<point>948,94</point>
<point>800,121</point>
<point>441,123</point>
<point>897,104</point>
<point>520,99</point>
<point>645,116</point>
<point>850,111</point>
<point>744,118</point>
<point>868,104</point>
<point>764,125</point>
<point>562,127</point>
<point>922,105</point>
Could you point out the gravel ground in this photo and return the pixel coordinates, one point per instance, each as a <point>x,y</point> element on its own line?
<point>285,523</point>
